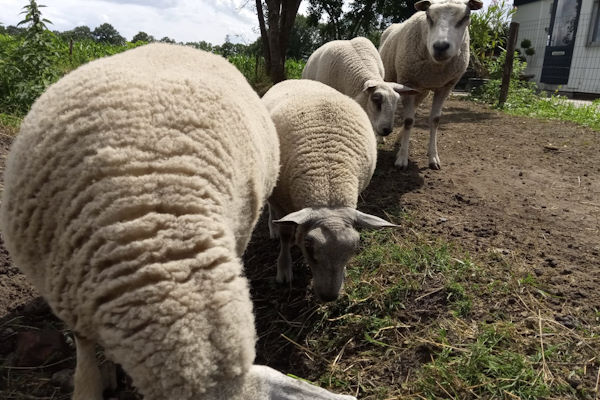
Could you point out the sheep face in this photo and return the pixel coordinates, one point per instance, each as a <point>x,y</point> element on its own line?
<point>446,23</point>
<point>328,239</point>
<point>382,100</point>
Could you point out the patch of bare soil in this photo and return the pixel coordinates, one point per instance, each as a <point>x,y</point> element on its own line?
<point>526,189</point>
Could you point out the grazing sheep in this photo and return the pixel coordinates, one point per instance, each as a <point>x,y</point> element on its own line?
<point>130,195</point>
<point>354,68</point>
<point>328,155</point>
<point>429,51</point>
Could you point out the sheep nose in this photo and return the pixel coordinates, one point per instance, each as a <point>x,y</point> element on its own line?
<point>386,131</point>
<point>440,47</point>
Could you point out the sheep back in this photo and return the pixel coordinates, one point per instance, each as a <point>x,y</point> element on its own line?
<point>345,65</point>
<point>328,149</point>
<point>130,192</point>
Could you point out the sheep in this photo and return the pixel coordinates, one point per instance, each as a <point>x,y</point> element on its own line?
<point>328,155</point>
<point>354,68</point>
<point>130,195</point>
<point>429,51</point>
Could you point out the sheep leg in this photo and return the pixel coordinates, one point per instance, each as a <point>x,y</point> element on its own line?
<point>439,96</point>
<point>284,262</point>
<point>274,213</point>
<point>277,386</point>
<point>409,104</point>
<point>87,380</point>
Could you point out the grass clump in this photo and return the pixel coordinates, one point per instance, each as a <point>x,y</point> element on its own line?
<point>487,368</point>
<point>9,123</point>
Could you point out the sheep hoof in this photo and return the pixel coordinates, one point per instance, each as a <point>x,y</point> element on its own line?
<point>434,163</point>
<point>403,165</point>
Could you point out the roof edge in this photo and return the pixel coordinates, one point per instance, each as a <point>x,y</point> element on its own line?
<point>521,2</point>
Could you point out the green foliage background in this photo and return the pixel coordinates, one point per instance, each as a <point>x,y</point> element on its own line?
<point>30,64</point>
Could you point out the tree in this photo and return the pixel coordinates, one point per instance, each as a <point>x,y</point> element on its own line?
<point>275,32</point>
<point>304,39</point>
<point>142,37</point>
<point>363,18</point>
<point>106,33</point>
<point>167,39</point>
<point>15,31</point>
<point>78,34</point>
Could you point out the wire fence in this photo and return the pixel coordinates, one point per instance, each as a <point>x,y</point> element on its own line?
<point>584,75</point>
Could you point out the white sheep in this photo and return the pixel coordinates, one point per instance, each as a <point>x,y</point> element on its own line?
<point>354,68</point>
<point>429,51</point>
<point>130,194</point>
<point>328,155</point>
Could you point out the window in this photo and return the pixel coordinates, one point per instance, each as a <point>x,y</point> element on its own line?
<point>594,35</point>
<point>565,23</point>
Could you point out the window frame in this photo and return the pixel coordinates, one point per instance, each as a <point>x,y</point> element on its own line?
<point>594,26</point>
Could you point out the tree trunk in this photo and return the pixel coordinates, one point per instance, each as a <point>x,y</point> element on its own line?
<point>275,34</point>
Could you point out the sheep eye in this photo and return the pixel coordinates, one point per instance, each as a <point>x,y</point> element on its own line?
<point>463,20</point>
<point>429,19</point>
<point>308,243</point>
<point>310,250</point>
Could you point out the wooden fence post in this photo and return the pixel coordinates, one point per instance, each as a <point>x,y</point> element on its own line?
<point>508,63</point>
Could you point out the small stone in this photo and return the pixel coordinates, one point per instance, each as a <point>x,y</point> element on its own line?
<point>575,381</point>
<point>551,262</point>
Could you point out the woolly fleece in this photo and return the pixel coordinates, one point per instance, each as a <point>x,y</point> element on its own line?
<point>407,61</point>
<point>130,194</point>
<point>345,65</point>
<point>328,148</point>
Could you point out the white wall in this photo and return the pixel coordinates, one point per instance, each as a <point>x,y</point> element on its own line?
<point>534,20</point>
<point>585,68</point>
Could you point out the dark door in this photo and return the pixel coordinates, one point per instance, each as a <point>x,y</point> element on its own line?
<point>561,41</point>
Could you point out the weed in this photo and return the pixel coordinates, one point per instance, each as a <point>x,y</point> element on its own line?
<point>487,368</point>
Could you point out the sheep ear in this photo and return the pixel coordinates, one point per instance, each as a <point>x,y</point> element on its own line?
<point>296,218</point>
<point>371,83</point>
<point>475,4</point>
<point>370,221</point>
<point>401,89</point>
<point>422,5</point>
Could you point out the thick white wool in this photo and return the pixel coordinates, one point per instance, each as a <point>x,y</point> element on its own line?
<point>130,193</point>
<point>328,148</point>
<point>345,65</point>
<point>406,60</point>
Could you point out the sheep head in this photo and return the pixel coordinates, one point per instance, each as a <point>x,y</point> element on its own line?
<point>380,102</point>
<point>447,22</point>
<point>328,239</point>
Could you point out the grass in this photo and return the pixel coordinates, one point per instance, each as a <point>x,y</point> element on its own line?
<point>9,124</point>
<point>420,318</point>
<point>524,100</point>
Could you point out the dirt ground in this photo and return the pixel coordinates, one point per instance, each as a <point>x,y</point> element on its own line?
<point>527,189</point>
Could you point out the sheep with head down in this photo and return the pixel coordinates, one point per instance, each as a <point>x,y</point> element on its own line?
<point>130,195</point>
<point>429,51</point>
<point>328,155</point>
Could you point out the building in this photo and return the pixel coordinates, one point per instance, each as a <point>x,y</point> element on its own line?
<point>565,35</point>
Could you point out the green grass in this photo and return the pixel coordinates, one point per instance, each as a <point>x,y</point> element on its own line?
<point>9,123</point>
<point>490,367</point>
<point>415,303</point>
<point>524,100</point>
